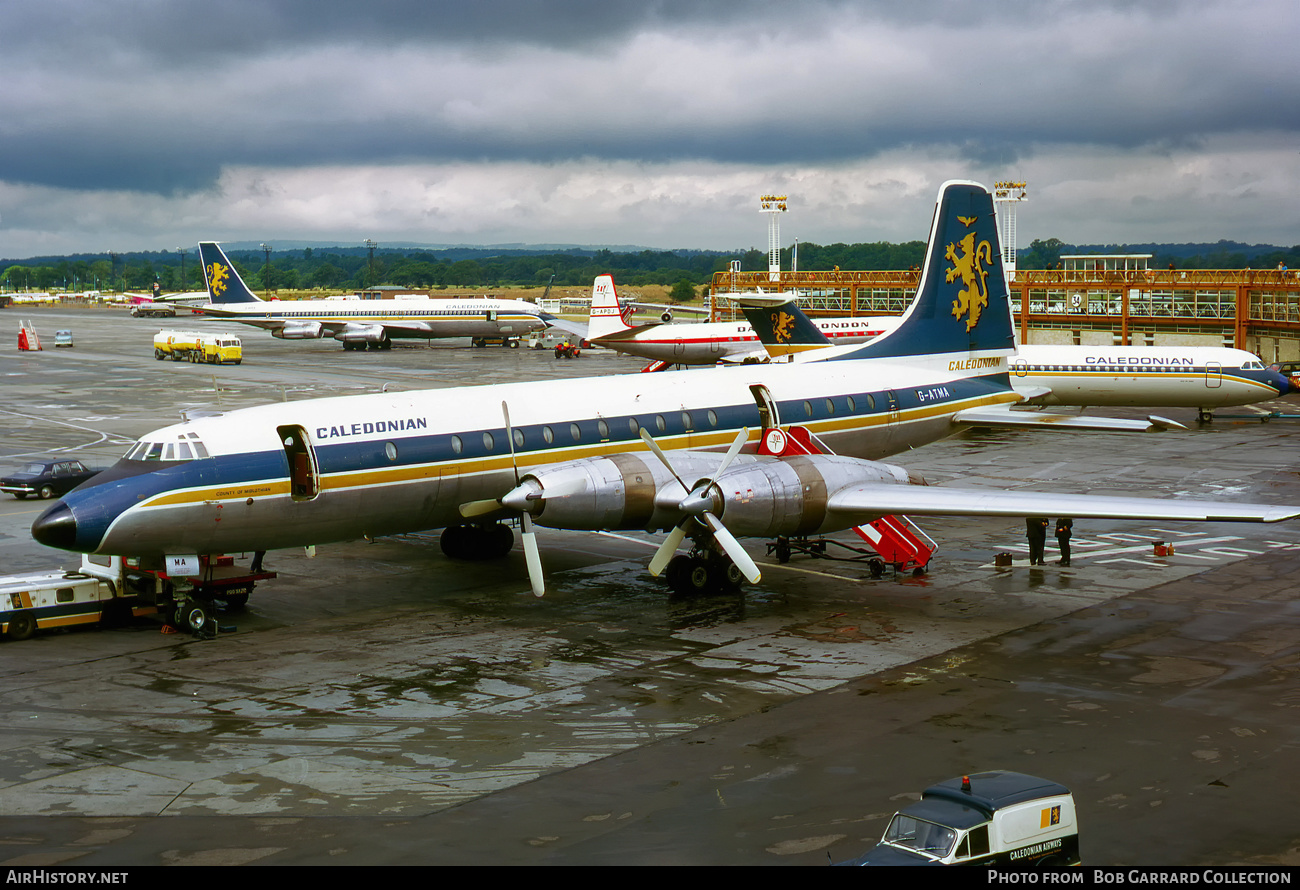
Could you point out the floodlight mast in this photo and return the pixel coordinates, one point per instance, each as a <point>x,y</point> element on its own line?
<point>773,205</point>
<point>1006,195</point>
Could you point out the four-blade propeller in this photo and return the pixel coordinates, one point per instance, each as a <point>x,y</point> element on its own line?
<point>532,555</point>
<point>696,506</point>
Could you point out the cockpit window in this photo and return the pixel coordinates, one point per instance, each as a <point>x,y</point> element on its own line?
<point>184,447</point>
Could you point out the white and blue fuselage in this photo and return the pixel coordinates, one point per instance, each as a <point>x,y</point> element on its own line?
<point>1202,377</point>
<point>324,470</point>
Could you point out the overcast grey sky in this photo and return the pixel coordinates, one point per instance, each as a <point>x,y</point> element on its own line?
<point>152,124</point>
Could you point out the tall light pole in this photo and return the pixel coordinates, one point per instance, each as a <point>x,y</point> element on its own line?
<point>370,271</point>
<point>1006,195</point>
<point>773,205</point>
<point>266,273</point>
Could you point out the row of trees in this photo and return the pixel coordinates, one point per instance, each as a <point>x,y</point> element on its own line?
<point>355,268</point>
<point>351,269</point>
<point>1047,253</point>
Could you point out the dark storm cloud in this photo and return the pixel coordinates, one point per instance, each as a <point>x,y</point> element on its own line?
<point>161,95</point>
<point>165,97</point>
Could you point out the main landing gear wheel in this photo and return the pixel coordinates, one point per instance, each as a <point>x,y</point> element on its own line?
<point>477,542</point>
<point>21,626</point>
<point>696,574</point>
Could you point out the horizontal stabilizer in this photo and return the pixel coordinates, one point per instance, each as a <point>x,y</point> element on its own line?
<point>569,327</point>
<point>673,309</point>
<point>1007,417</point>
<point>753,356</point>
<point>1032,394</point>
<point>624,334</point>
<point>759,300</point>
<point>861,503</point>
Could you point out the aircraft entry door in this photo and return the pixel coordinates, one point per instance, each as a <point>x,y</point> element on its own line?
<point>768,413</point>
<point>304,475</point>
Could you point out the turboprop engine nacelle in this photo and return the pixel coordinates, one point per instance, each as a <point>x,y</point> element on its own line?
<point>763,497</point>
<point>612,492</point>
<point>788,495</point>
<point>299,330</point>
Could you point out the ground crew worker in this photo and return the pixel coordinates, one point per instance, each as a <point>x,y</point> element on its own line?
<point>1064,525</point>
<point>1036,531</point>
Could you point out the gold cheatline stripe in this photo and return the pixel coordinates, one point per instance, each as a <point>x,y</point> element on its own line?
<point>1188,375</point>
<point>478,466</point>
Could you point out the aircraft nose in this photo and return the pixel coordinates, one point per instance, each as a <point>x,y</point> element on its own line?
<point>1283,384</point>
<point>56,527</point>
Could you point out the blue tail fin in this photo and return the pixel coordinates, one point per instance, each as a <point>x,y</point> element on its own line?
<point>224,283</point>
<point>961,305</point>
<point>781,326</point>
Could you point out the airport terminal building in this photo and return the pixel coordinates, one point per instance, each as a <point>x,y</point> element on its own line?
<point>1091,300</point>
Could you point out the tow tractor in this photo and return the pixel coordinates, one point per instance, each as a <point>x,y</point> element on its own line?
<point>186,593</point>
<point>995,818</point>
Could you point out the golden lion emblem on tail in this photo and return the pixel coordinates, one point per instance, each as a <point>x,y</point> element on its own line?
<point>217,275</point>
<point>969,267</point>
<point>782,326</point>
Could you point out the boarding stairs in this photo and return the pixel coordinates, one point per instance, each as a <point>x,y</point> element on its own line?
<point>27,339</point>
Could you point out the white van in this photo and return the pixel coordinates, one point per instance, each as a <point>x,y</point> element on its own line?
<point>995,818</point>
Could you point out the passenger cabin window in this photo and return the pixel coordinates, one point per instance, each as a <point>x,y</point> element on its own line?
<point>304,481</point>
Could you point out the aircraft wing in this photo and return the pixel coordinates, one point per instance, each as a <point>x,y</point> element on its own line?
<point>212,309</point>
<point>1008,417</point>
<point>674,308</point>
<point>870,500</point>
